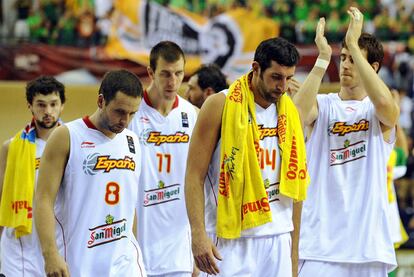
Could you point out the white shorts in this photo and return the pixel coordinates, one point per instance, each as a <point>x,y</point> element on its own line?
<point>255,256</point>
<point>20,257</point>
<point>311,268</point>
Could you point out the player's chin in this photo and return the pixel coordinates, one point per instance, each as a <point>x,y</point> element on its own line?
<point>117,129</point>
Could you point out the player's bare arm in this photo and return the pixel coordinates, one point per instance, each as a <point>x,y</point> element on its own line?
<point>296,218</point>
<point>3,162</point>
<point>386,109</point>
<point>305,98</point>
<point>203,142</point>
<point>51,171</point>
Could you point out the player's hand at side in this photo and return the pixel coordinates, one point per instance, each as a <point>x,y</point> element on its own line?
<point>355,27</point>
<point>205,254</point>
<point>325,50</point>
<point>55,266</point>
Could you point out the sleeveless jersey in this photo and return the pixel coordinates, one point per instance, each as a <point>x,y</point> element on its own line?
<point>345,217</point>
<point>269,162</point>
<point>163,226</point>
<point>98,195</point>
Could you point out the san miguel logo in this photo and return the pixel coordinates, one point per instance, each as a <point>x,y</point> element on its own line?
<point>108,232</point>
<point>350,152</point>
<point>162,194</point>
<point>95,162</point>
<point>341,128</point>
<point>266,132</point>
<point>157,138</point>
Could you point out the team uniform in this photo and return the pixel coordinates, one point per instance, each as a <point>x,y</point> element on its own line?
<point>250,254</point>
<point>163,226</point>
<point>23,256</point>
<point>98,195</point>
<point>345,229</point>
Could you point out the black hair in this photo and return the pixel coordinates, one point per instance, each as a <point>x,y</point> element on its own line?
<point>44,85</point>
<point>120,80</point>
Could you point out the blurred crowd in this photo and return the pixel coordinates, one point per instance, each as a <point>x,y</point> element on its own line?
<point>77,22</point>
<point>56,22</point>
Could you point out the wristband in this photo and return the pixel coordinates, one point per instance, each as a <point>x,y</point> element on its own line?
<point>322,63</point>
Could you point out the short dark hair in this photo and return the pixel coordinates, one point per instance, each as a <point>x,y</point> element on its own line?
<point>168,50</point>
<point>276,49</point>
<point>369,43</point>
<point>120,80</point>
<point>44,85</point>
<point>210,75</point>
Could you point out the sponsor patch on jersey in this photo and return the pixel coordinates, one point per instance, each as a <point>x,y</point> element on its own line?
<point>184,119</point>
<point>144,119</point>
<point>350,152</point>
<point>87,144</point>
<point>162,194</point>
<point>96,162</point>
<point>272,191</point>
<point>109,232</point>
<point>131,144</point>
<point>157,138</point>
<point>342,128</point>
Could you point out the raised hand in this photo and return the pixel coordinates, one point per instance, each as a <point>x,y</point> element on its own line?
<point>325,50</point>
<point>355,27</point>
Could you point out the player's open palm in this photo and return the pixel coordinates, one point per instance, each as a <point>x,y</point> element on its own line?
<point>205,254</point>
<point>55,266</point>
<point>325,50</point>
<point>355,26</point>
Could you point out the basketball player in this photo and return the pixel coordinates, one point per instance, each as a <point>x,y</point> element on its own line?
<point>164,124</point>
<point>206,81</point>
<point>92,165</point>
<point>344,229</point>
<point>263,247</point>
<point>45,98</point>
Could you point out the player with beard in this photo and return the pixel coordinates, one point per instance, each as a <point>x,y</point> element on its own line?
<point>20,250</point>
<point>207,80</point>
<point>90,168</point>
<point>237,191</point>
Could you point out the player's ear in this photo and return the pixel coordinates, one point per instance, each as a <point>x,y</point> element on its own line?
<point>375,66</point>
<point>101,101</point>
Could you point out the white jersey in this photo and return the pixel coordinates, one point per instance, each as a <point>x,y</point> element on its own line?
<point>345,215</point>
<point>99,194</point>
<point>163,226</point>
<point>23,256</point>
<point>269,159</point>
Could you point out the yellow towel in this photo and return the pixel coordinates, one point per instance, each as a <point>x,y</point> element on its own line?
<point>242,199</point>
<point>392,161</point>
<point>19,181</point>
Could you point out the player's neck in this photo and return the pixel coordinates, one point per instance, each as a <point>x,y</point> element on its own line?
<point>95,119</point>
<point>44,133</point>
<point>159,102</point>
<point>352,93</point>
